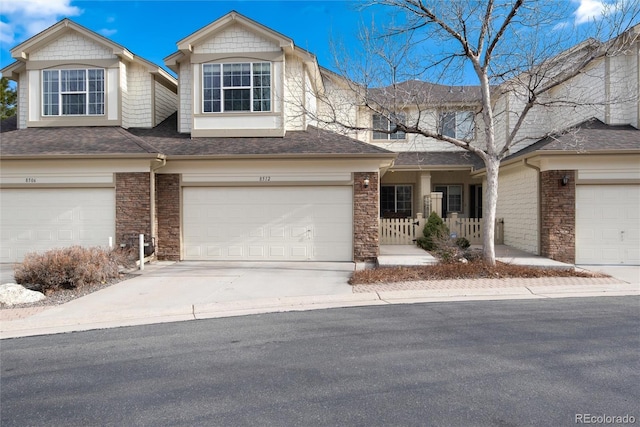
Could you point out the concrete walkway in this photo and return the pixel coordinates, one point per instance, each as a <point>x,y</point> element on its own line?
<point>168,292</point>
<point>411,255</point>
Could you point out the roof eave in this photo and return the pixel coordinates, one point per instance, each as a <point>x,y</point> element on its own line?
<point>552,153</point>
<point>118,156</point>
<point>389,156</point>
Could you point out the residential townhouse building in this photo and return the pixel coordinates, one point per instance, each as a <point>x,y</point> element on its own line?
<point>231,160</point>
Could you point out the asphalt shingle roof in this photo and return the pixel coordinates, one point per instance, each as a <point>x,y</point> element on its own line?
<point>69,141</point>
<point>588,137</point>
<point>168,141</point>
<point>412,91</point>
<point>438,158</point>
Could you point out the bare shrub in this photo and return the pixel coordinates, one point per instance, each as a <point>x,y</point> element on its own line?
<point>474,269</point>
<point>67,268</point>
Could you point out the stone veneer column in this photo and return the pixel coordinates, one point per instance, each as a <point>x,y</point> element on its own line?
<point>133,207</point>
<point>558,216</point>
<point>168,216</point>
<point>366,208</point>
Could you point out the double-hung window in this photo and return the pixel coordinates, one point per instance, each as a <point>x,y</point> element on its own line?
<point>457,124</point>
<point>236,87</point>
<point>396,200</point>
<point>73,92</point>
<point>380,122</point>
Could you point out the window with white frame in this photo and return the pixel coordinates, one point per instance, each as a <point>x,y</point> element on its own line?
<point>457,124</point>
<point>73,92</point>
<point>380,122</point>
<point>236,87</point>
<point>396,200</point>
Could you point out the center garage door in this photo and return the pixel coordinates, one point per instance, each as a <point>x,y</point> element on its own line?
<point>268,224</point>
<point>608,224</point>
<point>38,219</point>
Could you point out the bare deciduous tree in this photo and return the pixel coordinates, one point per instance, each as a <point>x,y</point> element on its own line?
<point>523,56</point>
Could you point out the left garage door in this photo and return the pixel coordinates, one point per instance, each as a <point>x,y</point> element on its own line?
<point>46,218</point>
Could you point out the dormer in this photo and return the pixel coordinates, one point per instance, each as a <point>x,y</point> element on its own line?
<point>68,75</point>
<point>240,78</point>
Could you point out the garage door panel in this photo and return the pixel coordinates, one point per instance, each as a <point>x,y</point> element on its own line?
<point>608,224</point>
<point>36,220</point>
<point>277,223</point>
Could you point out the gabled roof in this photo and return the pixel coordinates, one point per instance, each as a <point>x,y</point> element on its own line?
<point>231,18</point>
<point>411,92</point>
<point>186,45</point>
<point>590,136</point>
<point>69,142</point>
<point>21,52</point>
<point>312,142</point>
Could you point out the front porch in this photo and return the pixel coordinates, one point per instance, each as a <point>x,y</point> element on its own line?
<point>405,231</point>
<point>406,255</point>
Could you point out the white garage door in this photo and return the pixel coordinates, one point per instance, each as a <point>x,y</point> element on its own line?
<point>42,219</point>
<point>608,224</point>
<point>268,224</point>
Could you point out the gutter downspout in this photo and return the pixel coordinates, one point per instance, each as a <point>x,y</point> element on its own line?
<point>537,169</point>
<point>152,195</point>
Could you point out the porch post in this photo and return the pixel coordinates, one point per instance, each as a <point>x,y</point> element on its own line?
<point>424,191</point>
<point>436,204</point>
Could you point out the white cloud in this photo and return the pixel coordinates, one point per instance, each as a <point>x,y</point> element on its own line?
<point>107,32</point>
<point>590,10</point>
<point>25,18</point>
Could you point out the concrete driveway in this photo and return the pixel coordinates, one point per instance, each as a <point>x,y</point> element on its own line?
<point>166,285</point>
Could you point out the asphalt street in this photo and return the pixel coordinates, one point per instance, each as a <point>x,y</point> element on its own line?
<point>485,363</point>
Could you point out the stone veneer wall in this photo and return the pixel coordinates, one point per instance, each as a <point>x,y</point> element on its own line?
<point>168,216</point>
<point>133,207</point>
<point>366,239</point>
<point>558,216</point>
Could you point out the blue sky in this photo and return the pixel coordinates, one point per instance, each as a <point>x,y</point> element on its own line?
<point>151,28</point>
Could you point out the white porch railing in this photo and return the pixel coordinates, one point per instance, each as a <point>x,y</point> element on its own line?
<point>404,231</point>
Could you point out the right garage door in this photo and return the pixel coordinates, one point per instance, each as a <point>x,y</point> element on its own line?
<point>608,224</point>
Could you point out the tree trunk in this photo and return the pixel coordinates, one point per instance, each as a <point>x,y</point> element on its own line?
<point>489,210</point>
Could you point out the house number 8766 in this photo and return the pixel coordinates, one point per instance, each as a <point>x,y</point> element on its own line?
<point>30,180</point>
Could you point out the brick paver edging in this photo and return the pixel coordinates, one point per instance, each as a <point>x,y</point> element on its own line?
<point>484,283</point>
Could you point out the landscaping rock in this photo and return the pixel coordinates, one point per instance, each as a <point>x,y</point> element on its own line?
<point>12,294</point>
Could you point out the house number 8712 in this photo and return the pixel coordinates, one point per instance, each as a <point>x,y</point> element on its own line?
<point>265,178</point>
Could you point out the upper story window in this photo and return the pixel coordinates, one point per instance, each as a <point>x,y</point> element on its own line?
<point>73,92</point>
<point>457,124</point>
<point>236,87</point>
<point>381,122</point>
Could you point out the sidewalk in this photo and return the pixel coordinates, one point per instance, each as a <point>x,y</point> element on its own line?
<point>170,292</point>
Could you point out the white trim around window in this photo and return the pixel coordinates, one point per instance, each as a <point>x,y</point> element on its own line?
<point>457,124</point>
<point>75,92</point>
<point>380,122</point>
<point>236,87</point>
<point>396,200</point>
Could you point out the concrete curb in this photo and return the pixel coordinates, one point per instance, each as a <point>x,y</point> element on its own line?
<point>52,321</point>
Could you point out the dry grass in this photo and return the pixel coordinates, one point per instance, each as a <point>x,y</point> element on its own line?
<point>477,269</point>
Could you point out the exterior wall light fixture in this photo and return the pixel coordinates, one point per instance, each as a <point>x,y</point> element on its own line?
<point>366,182</point>
<point>565,180</point>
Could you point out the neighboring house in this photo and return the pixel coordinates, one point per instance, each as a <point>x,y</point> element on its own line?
<point>218,165</point>
<point>570,190</point>
<point>228,163</point>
